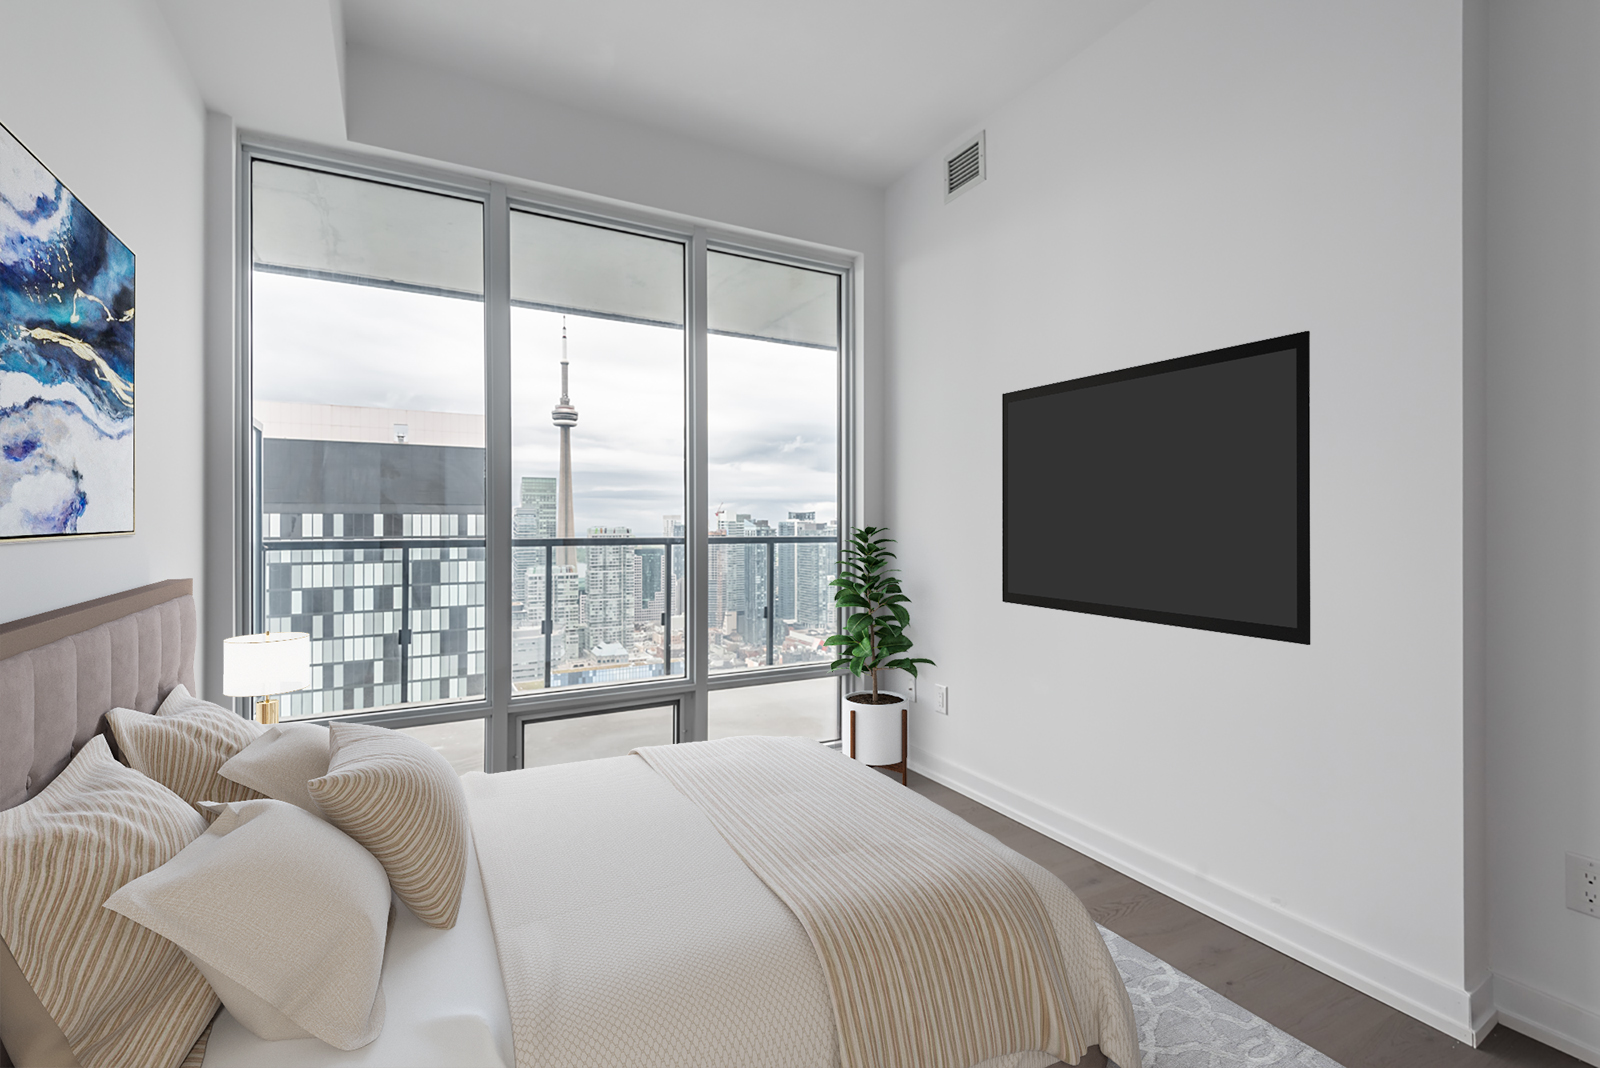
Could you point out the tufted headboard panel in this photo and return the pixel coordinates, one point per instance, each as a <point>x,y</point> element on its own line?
<point>62,671</point>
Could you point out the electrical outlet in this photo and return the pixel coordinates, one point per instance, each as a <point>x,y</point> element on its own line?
<point>943,704</point>
<point>1583,885</point>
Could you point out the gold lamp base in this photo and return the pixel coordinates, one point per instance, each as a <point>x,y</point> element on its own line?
<point>267,710</point>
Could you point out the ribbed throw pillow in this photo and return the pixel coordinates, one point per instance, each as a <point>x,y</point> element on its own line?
<point>283,914</point>
<point>184,745</point>
<point>404,802</point>
<point>119,994</point>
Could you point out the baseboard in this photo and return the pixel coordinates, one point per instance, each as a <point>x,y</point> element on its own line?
<point>1482,1009</point>
<point>1436,1003</point>
<point>1554,1021</point>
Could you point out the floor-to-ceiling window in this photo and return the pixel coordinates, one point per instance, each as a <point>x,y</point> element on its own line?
<point>367,364</point>
<point>597,454</point>
<point>540,481</point>
<point>773,475</point>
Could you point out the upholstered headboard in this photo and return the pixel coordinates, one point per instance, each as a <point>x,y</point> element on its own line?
<point>62,671</point>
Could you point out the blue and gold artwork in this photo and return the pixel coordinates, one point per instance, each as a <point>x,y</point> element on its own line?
<point>66,360</point>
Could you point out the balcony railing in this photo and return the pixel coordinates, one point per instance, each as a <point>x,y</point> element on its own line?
<point>410,612</point>
<point>769,543</point>
<point>583,672</point>
<point>404,616</point>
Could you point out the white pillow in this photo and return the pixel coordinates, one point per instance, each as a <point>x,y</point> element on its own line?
<point>282,761</point>
<point>283,913</point>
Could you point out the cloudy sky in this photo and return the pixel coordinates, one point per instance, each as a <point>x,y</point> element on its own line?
<point>772,407</point>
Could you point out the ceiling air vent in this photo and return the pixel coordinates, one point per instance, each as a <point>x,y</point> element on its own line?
<point>963,168</point>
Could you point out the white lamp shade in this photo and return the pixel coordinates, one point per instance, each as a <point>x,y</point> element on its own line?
<point>258,665</point>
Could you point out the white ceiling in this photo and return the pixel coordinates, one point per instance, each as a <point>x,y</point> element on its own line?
<point>862,89</point>
<point>858,88</point>
<point>274,65</point>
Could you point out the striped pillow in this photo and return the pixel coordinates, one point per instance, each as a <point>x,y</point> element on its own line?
<point>184,745</point>
<point>404,802</point>
<point>120,994</point>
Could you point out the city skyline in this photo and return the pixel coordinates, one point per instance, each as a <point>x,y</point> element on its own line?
<point>385,630</point>
<point>323,342</point>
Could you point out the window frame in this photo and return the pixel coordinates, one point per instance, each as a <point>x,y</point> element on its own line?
<point>504,715</point>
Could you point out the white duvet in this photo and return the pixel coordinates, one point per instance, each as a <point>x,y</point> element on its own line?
<point>632,936</point>
<point>638,938</point>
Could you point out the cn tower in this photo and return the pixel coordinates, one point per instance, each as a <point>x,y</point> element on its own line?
<point>565,416</point>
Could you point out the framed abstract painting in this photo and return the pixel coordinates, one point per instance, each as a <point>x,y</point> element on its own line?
<point>66,360</point>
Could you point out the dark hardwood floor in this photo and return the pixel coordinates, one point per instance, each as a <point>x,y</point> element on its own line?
<point>1347,1025</point>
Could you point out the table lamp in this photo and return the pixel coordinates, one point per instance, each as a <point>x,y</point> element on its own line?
<point>261,665</point>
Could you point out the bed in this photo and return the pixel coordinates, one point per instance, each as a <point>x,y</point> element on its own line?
<point>609,914</point>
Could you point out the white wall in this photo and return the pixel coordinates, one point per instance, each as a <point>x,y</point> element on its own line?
<point>399,105</point>
<point>1208,175</point>
<point>1543,324</point>
<point>109,108</point>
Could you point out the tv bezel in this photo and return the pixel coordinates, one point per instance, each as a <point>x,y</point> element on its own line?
<point>1300,633</point>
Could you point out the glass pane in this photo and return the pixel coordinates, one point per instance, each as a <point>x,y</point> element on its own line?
<point>368,361</point>
<point>741,626</point>
<point>806,709</point>
<point>609,734</point>
<point>772,377</point>
<point>461,743</point>
<point>597,379</point>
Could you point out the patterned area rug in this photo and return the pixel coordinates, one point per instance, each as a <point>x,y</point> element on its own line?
<point>1185,1024</point>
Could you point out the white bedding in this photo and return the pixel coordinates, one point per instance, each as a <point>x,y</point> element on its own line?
<point>446,1003</point>
<point>652,945</point>
<point>633,936</point>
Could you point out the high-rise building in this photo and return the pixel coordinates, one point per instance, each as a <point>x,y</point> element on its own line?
<point>784,574</point>
<point>566,614</point>
<point>649,578</point>
<point>534,517</point>
<point>672,527</point>
<point>609,588</point>
<point>388,623</point>
<point>815,565</point>
<point>538,504</point>
<point>744,581</point>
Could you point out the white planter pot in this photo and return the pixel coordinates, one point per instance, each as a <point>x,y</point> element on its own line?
<point>877,729</point>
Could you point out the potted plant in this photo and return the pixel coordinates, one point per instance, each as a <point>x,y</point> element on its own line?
<point>874,638</point>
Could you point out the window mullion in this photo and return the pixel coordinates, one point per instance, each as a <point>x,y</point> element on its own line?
<point>692,723</point>
<point>501,749</point>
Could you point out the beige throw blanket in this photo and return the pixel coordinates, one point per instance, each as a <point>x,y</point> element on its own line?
<point>937,954</point>
<point>630,935</point>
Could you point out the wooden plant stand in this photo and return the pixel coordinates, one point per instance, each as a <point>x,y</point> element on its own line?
<point>902,766</point>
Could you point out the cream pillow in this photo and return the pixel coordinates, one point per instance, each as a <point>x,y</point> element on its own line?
<point>284,914</point>
<point>117,994</point>
<point>404,802</point>
<point>281,761</point>
<point>184,744</point>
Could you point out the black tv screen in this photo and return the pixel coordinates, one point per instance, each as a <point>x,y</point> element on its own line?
<point>1175,492</point>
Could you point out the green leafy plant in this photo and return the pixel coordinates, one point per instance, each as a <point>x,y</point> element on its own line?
<point>874,634</point>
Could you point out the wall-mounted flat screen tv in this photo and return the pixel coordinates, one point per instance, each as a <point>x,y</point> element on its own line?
<point>1174,493</point>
